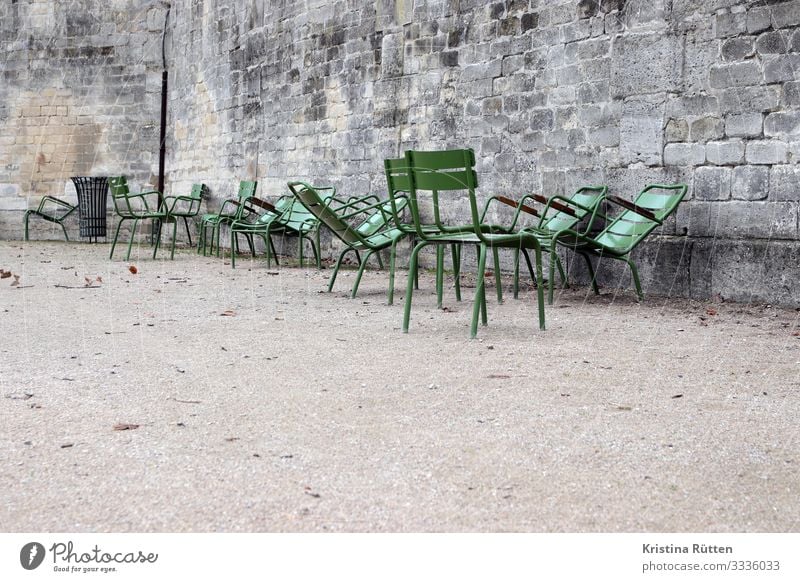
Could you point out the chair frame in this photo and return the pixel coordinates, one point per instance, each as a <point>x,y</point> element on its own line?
<point>49,216</point>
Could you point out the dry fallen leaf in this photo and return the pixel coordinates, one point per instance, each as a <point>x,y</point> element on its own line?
<point>125,426</point>
<point>133,269</point>
<point>498,376</point>
<point>711,311</point>
<point>4,274</point>
<point>228,313</point>
<point>15,282</point>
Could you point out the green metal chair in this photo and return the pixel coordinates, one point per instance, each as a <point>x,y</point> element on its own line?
<point>137,207</point>
<point>53,210</point>
<point>625,231</point>
<point>375,232</point>
<point>287,216</point>
<point>185,207</point>
<point>231,210</point>
<point>449,171</point>
<point>397,179</point>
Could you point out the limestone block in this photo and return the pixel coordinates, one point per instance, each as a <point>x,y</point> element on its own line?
<point>766,152</point>
<point>712,183</point>
<point>644,63</point>
<point>750,183</point>
<point>725,152</point>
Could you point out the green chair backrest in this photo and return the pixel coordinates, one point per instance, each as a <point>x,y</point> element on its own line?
<point>118,186</point>
<point>247,189</point>
<point>399,185</point>
<point>629,228</point>
<point>586,201</point>
<point>310,198</point>
<point>442,171</point>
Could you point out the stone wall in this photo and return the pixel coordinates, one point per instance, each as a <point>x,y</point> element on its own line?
<point>80,86</point>
<point>550,95</point>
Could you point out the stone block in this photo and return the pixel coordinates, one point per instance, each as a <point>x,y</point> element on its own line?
<point>744,124</point>
<point>737,219</point>
<point>758,19</point>
<point>738,48</point>
<point>692,105</point>
<point>772,42</point>
<point>766,152</point>
<point>782,124</point>
<point>677,130</point>
<point>706,128</point>
<point>712,183</point>
<point>760,271</point>
<point>645,63</point>
<point>749,99</point>
<point>785,14</point>
<point>784,183</point>
<point>684,154</point>
<point>723,153</point>
<point>641,140</point>
<point>741,74</point>
<point>730,24</point>
<point>790,97</point>
<point>392,55</point>
<point>750,183</point>
<point>780,68</point>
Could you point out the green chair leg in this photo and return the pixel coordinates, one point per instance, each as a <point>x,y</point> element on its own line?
<point>591,273</point>
<point>300,249</point>
<point>516,273</point>
<point>455,254</point>
<point>392,262</point>
<point>412,277</point>
<point>336,268</point>
<point>636,283</point>
<point>497,281</point>
<point>188,234</point>
<point>130,242</point>
<point>174,236</point>
<point>361,268</point>
<point>539,286</point>
<point>479,304</point>
<point>439,275</point>
<point>116,235</point>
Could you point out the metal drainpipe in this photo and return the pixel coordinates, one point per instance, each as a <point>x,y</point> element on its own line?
<point>162,152</point>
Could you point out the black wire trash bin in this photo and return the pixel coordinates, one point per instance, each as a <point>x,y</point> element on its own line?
<point>92,196</point>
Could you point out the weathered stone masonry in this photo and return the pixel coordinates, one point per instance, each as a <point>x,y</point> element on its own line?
<point>550,95</point>
<point>79,95</point>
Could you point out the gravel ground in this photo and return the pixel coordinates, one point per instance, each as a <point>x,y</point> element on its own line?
<point>255,401</point>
